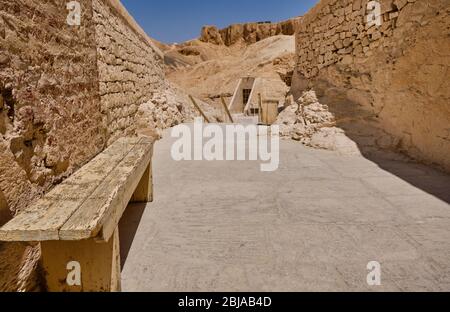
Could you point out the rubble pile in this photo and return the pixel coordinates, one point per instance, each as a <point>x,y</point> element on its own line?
<point>169,108</point>
<point>311,123</point>
<point>304,117</point>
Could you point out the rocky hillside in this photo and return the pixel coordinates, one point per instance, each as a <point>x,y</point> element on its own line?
<point>207,70</point>
<point>248,33</point>
<point>212,65</point>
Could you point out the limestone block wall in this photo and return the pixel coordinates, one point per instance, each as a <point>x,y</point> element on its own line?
<point>50,119</point>
<point>65,93</point>
<point>397,73</point>
<point>130,68</point>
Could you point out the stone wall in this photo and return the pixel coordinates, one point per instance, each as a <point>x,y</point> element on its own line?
<point>50,120</point>
<point>393,77</point>
<point>124,59</point>
<point>65,93</point>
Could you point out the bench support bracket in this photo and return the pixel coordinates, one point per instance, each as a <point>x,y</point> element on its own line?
<point>99,265</point>
<point>144,192</point>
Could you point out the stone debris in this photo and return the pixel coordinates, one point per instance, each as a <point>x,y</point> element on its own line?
<point>304,117</point>
<point>64,100</point>
<point>311,123</point>
<point>169,108</point>
<point>217,69</point>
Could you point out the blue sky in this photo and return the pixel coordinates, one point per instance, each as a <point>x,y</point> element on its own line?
<point>180,20</point>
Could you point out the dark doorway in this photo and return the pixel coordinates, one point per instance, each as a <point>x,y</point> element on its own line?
<point>246,95</point>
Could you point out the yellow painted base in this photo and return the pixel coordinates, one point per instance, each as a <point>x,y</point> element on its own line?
<point>99,265</point>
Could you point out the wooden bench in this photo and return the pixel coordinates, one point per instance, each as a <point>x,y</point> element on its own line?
<point>77,221</point>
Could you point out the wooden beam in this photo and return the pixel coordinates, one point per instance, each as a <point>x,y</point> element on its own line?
<point>99,215</point>
<point>260,115</point>
<point>42,220</point>
<point>198,108</point>
<point>226,108</point>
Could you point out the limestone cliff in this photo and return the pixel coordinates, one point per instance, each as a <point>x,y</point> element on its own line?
<point>386,84</point>
<point>248,33</point>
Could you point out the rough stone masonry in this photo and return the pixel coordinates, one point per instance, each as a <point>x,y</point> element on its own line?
<point>392,77</point>
<point>66,92</point>
<point>130,70</point>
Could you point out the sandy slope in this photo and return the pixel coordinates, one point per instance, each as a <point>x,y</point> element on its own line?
<point>207,70</point>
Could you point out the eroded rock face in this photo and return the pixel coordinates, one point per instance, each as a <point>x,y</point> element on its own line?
<point>248,33</point>
<point>211,34</point>
<point>271,59</point>
<point>5,215</point>
<point>386,84</point>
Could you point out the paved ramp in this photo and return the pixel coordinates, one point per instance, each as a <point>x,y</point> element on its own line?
<point>245,120</point>
<point>313,225</point>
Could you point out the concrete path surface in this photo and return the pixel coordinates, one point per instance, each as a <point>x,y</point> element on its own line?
<point>312,225</point>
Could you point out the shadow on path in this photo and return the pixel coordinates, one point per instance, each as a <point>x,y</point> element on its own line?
<point>362,127</point>
<point>128,227</point>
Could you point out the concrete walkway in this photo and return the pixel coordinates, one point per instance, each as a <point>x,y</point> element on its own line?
<point>313,225</point>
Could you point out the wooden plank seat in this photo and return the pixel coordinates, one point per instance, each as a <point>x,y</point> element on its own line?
<point>77,221</point>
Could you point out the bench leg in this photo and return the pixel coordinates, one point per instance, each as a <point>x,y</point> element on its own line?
<point>97,264</point>
<point>144,190</point>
